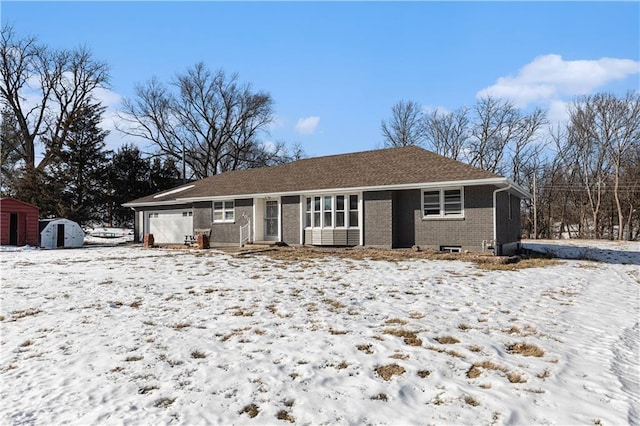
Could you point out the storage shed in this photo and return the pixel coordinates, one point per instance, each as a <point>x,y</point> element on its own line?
<point>18,223</point>
<point>61,233</point>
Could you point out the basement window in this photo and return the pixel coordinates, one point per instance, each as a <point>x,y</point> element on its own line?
<point>451,249</point>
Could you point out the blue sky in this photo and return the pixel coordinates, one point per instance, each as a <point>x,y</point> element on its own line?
<point>335,69</point>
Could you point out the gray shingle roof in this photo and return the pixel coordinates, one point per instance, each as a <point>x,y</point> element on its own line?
<point>377,168</point>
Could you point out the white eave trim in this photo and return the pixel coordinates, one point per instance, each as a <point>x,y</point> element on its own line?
<point>501,182</point>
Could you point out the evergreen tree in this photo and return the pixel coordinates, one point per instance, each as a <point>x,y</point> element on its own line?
<point>164,174</point>
<point>133,176</point>
<point>80,167</point>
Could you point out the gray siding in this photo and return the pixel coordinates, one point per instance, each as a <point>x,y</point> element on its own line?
<point>507,228</point>
<point>378,218</point>
<point>468,232</point>
<point>332,237</point>
<point>224,233</point>
<point>291,219</point>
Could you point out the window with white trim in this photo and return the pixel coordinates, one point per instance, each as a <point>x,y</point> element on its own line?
<point>308,211</point>
<point>327,209</point>
<point>332,211</point>
<point>340,207</point>
<point>223,211</point>
<point>442,203</point>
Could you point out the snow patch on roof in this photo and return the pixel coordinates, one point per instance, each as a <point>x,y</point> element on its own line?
<point>174,191</point>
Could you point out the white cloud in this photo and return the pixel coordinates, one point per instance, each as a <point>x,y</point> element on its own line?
<point>550,77</point>
<point>308,125</point>
<point>428,109</point>
<point>557,111</point>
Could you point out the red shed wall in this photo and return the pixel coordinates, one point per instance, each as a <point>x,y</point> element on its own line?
<point>27,222</point>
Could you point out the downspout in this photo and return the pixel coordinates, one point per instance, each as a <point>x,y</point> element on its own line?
<point>495,218</point>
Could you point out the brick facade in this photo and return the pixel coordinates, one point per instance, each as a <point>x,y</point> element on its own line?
<point>378,218</point>
<point>469,232</point>
<point>225,233</point>
<point>290,219</point>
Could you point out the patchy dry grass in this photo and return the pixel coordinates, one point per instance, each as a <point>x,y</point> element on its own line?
<point>284,415</point>
<point>147,389</point>
<point>365,348</point>
<point>380,397</point>
<point>544,374</point>
<point>515,377</point>
<point>24,313</point>
<point>409,337</point>
<point>396,321</point>
<point>423,374</point>
<point>133,358</point>
<point>400,355</point>
<point>525,349</point>
<point>520,264</point>
<point>446,340</point>
<point>482,260</point>
<point>163,402</point>
<point>446,351</point>
<point>198,355</point>
<point>250,410</point>
<point>471,401</point>
<point>388,371</point>
<point>182,325</point>
<point>476,368</point>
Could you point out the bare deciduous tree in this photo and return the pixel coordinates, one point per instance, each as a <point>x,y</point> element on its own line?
<point>207,119</point>
<point>607,128</point>
<point>405,126</point>
<point>44,89</point>
<point>500,127</point>
<point>447,133</point>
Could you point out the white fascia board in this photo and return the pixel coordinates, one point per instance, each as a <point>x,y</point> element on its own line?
<point>157,203</point>
<point>355,189</point>
<point>519,190</point>
<point>501,181</point>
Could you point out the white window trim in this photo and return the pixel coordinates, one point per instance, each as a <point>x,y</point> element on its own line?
<point>346,210</point>
<point>224,211</point>
<point>442,215</point>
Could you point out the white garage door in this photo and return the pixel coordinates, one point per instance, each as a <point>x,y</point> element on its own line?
<point>170,226</point>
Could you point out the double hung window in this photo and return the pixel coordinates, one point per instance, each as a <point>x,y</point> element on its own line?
<point>443,203</point>
<point>223,211</point>
<point>332,211</point>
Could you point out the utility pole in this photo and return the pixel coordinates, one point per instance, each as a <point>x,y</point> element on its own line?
<point>535,208</point>
<point>184,167</point>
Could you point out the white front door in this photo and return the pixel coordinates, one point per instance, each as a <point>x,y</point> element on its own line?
<point>170,226</point>
<point>271,220</point>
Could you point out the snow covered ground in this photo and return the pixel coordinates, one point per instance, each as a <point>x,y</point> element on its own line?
<point>126,335</point>
<point>108,236</point>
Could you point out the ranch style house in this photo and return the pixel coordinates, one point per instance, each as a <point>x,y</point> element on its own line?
<point>387,198</point>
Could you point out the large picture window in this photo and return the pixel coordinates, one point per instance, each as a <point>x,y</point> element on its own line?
<point>442,203</point>
<point>223,211</point>
<point>332,211</point>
